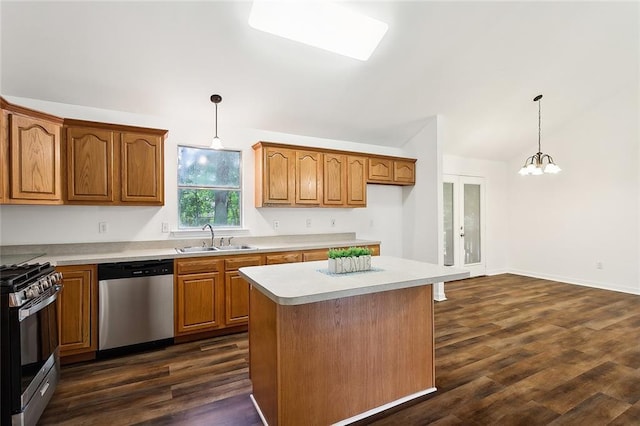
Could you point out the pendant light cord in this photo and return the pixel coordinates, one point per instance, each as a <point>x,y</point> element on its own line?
<point>539,125</point>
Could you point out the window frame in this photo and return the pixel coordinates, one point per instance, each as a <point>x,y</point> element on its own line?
<point>239,189</point>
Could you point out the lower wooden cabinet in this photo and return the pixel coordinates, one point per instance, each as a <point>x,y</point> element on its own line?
<point>236,297</point>
<point>78,310</point>
<point>198,295</point>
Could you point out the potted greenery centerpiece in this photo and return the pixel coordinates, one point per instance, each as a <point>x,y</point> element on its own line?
<point>352,259</point>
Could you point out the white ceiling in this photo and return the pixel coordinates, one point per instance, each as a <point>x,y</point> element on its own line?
<point>478,64</point>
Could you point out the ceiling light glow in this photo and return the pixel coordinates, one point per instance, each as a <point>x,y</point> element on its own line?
<point>320,24</point>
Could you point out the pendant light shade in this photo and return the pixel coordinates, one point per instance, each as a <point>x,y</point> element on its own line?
<point>216,143</point>
<point>539,163</point>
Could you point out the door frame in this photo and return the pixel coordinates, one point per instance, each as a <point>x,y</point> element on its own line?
<point>476,269</point>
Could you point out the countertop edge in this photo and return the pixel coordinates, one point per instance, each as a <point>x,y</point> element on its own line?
<point>302,300</point>
<point>282,283</point>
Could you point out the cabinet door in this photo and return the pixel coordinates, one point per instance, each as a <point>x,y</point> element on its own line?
<point>236,288</point>
<point>198,306</point>
<point>279,176</point>
<point>90,169</point>
<point>356,181</point>
<point>142,169</point>
<point>308,177</point>
<point>35,159</point>
<point>4,155</point>
<point>404,172</point>
<point>77,310</point>
<point>380,170</point>
<point>236,299</point>
<point>335,170</point>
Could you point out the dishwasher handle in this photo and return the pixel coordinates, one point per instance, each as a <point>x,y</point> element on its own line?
<point>145,268</point>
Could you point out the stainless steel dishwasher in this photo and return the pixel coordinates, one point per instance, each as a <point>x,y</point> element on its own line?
<point>135,304</point>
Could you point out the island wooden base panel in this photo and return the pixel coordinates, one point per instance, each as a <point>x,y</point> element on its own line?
<point>360,416</point>
<point>328,361</point>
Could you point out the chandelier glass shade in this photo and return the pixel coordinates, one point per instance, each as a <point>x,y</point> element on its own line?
<point>539,163</point>
<point>216,142</point>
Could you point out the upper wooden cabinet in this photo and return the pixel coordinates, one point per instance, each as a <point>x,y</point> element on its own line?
<point>295,176</point>
<point>30,156</point>
<point>142,168</point>
<point>345,180</point>
<point>391,171</point>
<point>356,188</point>
<point>404,172</point>
<point>90,171</point>
<point>109,164</point>
<point>288,177</point>
<point>335,180</point>
<point>308,177</point>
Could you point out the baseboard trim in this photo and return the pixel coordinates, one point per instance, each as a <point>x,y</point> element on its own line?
<point>583,283</point>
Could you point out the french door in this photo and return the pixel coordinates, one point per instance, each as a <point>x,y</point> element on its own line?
<point>463,209</point>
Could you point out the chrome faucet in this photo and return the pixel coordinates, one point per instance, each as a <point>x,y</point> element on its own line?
<point>208,225</point>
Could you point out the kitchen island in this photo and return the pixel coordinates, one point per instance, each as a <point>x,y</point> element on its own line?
<point>334,348</point>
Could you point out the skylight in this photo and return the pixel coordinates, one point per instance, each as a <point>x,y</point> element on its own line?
<point>325,25</point>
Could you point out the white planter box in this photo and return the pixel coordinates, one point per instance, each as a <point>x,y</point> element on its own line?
<point>343,265</point>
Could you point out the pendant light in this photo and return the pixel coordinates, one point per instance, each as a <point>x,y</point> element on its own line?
<point>216,143</point>
<point>539,163</point>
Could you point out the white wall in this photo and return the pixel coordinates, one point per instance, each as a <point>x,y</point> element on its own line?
<point>561,225</point>
<point>496,205</point>
<point>422,213</point>
<point>382,219</point>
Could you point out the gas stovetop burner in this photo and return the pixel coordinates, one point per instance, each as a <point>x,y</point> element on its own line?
<point>12,277</point>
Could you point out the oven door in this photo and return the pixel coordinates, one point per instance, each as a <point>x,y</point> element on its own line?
<point>38,347</point>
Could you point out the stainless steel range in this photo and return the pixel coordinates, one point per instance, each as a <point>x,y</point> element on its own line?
<point>29,360</point>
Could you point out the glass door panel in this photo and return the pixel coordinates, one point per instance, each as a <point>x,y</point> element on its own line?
<point>449,226</point>
<point>471,234</point>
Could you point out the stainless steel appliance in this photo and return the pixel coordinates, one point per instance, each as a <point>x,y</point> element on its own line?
<point>29,359</point>
<point>136,304</point>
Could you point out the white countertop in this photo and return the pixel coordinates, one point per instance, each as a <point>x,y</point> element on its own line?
<point>87,256</point>
<point>308,282</point>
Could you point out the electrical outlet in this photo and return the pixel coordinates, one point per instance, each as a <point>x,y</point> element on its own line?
<point>276,224</point>
<point>103,227</point>
<point>599,265</point>
<point>333,222</point>
<point>165,227</point>
<point>308,222</point>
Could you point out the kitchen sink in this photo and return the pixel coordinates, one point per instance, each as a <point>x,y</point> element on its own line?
<point>197,249</point>
<point>243,247</point>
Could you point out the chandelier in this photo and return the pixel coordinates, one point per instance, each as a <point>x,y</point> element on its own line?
<point>539,163</point>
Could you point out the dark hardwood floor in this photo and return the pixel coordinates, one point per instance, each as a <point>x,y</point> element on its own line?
<point>510,350</point>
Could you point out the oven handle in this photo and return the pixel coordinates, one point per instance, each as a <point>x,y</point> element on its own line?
<point>29,310</point>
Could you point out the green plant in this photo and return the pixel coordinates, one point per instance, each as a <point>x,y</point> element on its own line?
<point>349,252</point>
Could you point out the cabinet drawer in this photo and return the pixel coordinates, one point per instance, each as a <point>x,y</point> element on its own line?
<point>239,262</point>
<point>310,256</point>
<point>273,259</point>
<point>194,266</point>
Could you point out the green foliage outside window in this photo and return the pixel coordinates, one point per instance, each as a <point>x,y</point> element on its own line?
<point>209,187</point>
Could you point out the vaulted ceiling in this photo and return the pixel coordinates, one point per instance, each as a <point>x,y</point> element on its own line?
<point>478,64</point>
